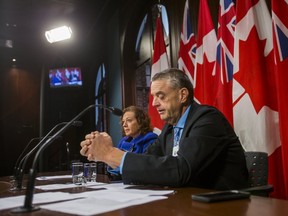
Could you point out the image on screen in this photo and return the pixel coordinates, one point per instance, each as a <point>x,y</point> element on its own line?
<point>65,77</point>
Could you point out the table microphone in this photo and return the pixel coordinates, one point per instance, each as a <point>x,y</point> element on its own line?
<point>28,207</point>
<point>16,166</point>
<point>20,166</point>
<point>113,110</point>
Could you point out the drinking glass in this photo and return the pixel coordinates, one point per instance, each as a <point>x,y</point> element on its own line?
<point>90,172</point>
<point>77,173</point>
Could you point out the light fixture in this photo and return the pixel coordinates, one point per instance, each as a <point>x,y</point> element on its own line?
<point>58,34</point>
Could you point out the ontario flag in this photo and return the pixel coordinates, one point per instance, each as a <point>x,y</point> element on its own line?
<point>279,158</point>
<point>159,63</point>
<point>256,118</point>
<point>187,50</point>
<point>204,83</point>
<point>225,58</point>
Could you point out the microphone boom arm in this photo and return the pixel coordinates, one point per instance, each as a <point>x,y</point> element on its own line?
<point>19,171</point>
<point>28,207</point>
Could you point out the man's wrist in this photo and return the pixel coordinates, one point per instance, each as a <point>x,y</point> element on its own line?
<point>122,162</point>
<point>114,158</point>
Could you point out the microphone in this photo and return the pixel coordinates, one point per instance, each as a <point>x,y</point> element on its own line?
<point>116,111</point>
<point>28,207</point>
<point>113,110</point>
<point>16,166</point>
<point>20,166</point>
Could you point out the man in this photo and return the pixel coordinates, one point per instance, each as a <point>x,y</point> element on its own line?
<point>197,146</point>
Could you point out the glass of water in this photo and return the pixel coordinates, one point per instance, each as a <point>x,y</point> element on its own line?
<point>90,172</point>
<point>77,173</point>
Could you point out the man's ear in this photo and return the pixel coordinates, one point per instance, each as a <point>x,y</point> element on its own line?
<point>184,93</point>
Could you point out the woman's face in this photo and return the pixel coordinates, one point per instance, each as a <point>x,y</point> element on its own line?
<point>130,124</point>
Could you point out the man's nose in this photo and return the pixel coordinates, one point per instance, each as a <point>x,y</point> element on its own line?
<point>155,102</point>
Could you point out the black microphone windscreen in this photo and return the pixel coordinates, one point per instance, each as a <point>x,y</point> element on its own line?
<point>77,123</point>
<point>116,111</point>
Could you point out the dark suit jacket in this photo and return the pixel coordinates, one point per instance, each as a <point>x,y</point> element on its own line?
<point>210,155</point>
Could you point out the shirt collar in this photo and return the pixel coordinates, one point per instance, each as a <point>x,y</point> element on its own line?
<point>182,120</point>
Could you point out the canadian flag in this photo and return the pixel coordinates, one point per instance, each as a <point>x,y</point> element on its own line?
<point>204,82</point>
<point>256,118</point>
<point>159,63</point>
<point>279,158</point>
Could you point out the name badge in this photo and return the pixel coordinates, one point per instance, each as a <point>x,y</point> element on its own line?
<point>175,150</point>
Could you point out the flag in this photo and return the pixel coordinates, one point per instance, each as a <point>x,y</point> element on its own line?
<point>279,158</point>
<point>204,83</point>
<point>255,107</point>
<point>159,63</point>
<point>225,58</point>
<point>187,50</point>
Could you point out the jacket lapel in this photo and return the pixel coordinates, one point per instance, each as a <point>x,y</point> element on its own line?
<point>189,121</point>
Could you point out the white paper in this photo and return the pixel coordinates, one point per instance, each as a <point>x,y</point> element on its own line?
<point>112,197</point>
<point>65,186</point>
<point>46,197</point>
<point>54,177</point>
<point>96,205</point>
<point>150,192</point>
<point>128,188</point>
<point>110,186</point>
<point>118,196</point>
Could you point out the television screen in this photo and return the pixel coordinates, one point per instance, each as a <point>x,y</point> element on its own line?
<point>63,77</point>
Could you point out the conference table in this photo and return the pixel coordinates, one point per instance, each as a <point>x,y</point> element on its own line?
<point>178,203</point>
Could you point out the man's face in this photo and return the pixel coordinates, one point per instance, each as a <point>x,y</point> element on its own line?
<point>166,100</point>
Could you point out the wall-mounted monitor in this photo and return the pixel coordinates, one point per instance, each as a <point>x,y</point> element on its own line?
<point>65,77</point>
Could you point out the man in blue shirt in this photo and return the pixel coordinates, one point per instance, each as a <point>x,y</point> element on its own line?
<point>197,146</point>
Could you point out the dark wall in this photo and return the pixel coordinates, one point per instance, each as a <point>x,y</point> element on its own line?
<point>19,112</point>
<point>29,108</point>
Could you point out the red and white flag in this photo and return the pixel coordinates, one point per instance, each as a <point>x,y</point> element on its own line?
<point>225,58</point>
<point>279,158</point>
<point>187,50</point>
<point>254,92</point>
<point>204,82</point>
<point>159,63</point>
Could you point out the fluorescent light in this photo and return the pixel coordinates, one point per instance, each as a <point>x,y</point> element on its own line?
<point>58,34</point>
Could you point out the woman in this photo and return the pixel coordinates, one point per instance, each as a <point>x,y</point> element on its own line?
<point>136,129</point>
<point>137,135</point>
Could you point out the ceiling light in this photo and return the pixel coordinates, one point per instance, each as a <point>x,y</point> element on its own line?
<point>58,34</point>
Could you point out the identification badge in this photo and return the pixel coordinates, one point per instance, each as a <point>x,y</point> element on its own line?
<point>175,151</point>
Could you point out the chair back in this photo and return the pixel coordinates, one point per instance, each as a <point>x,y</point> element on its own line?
<point>257,165</point>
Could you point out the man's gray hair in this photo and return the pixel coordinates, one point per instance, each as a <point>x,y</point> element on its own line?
<point>178,79</point>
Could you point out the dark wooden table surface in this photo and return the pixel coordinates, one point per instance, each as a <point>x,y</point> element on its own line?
<point>178,204</point>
